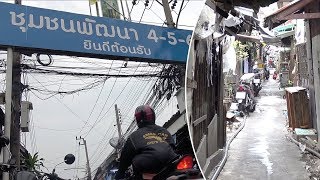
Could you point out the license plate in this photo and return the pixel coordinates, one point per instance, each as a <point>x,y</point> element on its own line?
<point>240,95</point>
<point>256,81</point>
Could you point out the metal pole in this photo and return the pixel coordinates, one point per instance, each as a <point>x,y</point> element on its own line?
<point>87,156</point>
<point>97,9</point>
<point>7,123</point>
<point>17,89</point>
<point>90,8</point>
<point>129,16</point>
<point>118,121</point>
<point>167,12</point>
<point>124,15</point>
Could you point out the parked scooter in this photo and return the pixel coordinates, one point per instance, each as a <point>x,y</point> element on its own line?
<point>274,75</point>
<point>183,167</point>
<point>257,86</point>
<point>267,75</point>
<point>244,97</point>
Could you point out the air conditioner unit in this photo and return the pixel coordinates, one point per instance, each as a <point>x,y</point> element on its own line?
<point>26,106</point>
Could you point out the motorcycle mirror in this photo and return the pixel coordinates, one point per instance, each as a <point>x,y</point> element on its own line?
<point>69,159</point>
<point>116,142</point>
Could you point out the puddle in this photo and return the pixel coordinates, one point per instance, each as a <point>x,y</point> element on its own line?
<point>260,149</point>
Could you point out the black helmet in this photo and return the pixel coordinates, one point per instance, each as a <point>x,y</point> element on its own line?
<point>144,115</point>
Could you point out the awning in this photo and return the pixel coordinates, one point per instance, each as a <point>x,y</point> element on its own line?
<point>263,38</point>
<point>285,28</point>
<point>291,11</point>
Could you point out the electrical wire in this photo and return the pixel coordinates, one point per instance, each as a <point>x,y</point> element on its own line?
<point>103,105</point>
<point>144,10</point>
<point>133,99</point>
<point>102,87</point>
<point>69,109</point>
<point>61,130</point>
<point>45,71</point>
<point>181,8</point>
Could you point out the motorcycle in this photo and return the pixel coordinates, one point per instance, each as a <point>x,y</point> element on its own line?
<point>256,86</point>
<point>182,167</point>
<point>244,99</point>
<point>268,75</point>
<point>274,76</point>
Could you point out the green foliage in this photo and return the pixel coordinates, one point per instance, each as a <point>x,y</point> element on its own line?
<point>241,50</point>
<point>32,162</point>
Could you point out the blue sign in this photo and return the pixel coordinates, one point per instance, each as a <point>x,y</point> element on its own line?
<point>81,35</point>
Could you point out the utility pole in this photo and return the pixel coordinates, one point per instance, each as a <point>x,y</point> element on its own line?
<point>119,128</point>
<point>17,89</point>
<point>84,142</point>
<point>118,122</point>
<point>167,12</point>
<point>8,99</point>
<point>13,106</point>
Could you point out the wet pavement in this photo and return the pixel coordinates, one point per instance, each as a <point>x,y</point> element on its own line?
<point>261,150</point>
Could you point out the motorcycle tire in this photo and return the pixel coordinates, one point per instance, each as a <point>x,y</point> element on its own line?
<point>252,109</point>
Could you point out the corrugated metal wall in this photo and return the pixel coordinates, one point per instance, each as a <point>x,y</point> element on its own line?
<point>207,99</point>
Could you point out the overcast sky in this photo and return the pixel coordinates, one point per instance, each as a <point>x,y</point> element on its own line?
<point>57,120</point>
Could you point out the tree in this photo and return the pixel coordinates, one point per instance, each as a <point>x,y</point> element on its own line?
<point>241,50</point>
<point>32,162</point>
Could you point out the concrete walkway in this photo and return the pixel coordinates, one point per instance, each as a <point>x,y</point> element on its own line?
<point>261,150</point>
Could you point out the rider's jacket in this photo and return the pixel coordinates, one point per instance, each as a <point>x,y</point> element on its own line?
<point>149,149</point>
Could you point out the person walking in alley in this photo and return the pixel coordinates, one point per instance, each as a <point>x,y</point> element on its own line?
<point>149,149</point>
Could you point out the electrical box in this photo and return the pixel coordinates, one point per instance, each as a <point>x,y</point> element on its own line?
<point>26,106</point>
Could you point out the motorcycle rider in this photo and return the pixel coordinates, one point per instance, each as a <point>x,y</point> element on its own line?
<point>149,149</point>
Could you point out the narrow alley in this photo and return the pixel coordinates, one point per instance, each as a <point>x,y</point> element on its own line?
<point>261,150</point>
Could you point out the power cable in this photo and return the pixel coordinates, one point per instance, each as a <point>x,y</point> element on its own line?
<point>142,14</point>
<point>45,71</point>
<point>60,130</point>
<point>102,87</point>
<point>103,104</point>
<point>69,109</point>
<point>133,99</point>
<point>87,87</point>
<point>181,8</point>
<point>97,101</point>
<point>97,121</point>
